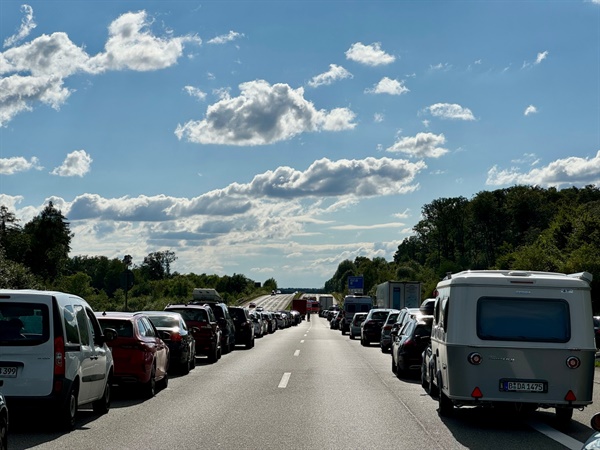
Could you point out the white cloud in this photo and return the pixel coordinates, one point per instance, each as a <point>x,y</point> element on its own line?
<point>450,111</point>
<point>195,92</point>
<point>10,166</point>
<point>370,55</point>
<point>36,71</point>
<point>27,24</point>
<point>378,118</point>
<point>530,110</point>
<point>376,226</point>
<point>224,38</point>
<point>76,164</point>
<point>334,73</point>
<point>263,114</point>
<point>388,86</point>
<point>541,56</point>
<point>443,67</point>
<point>423,145</point>
<point>562,172</point>
<point>131,45</point>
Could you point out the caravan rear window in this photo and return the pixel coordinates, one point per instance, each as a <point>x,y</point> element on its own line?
<point>519,319</point>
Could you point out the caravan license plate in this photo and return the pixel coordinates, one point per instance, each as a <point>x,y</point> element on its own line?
<point>8,372</point>
<point>523,386</point>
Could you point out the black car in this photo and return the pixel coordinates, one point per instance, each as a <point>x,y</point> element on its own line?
<point>370,329</point>
<point>408,345</point>
<point>226,324</point>
<point>177,336</point>
<point>244,326</point>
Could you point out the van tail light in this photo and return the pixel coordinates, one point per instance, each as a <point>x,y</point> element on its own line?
<point>476,394</point>
<point>59,356</point>
<point>570,397</point>
<point>59,363</point>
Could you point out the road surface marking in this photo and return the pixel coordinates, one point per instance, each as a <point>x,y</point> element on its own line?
<point>302,341</point>
<point>297,352</point>
<point>284,380</point>
<point>556,435</point>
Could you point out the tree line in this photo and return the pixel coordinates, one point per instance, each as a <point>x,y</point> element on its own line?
<point>520,228</point>
<point>517,228</point>
<point>36,256</point>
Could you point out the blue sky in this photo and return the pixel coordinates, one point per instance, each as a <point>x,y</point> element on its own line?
<point>277,139</point>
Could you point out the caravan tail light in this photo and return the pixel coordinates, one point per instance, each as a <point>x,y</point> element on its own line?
<point>474,358</point>
<point>573,362</point>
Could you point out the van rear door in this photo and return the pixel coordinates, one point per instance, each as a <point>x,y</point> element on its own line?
<point>26,347</point>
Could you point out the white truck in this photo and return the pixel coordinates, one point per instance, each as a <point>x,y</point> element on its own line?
<point>398,294</point>
<point>326,302</point>
<point>512,339</point>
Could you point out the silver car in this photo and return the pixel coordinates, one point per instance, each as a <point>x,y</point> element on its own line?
<point>357,320</point>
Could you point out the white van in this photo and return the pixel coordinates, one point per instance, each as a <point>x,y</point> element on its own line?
<point>53,355</point>
<point>352,305</point>
<point>513,339</point>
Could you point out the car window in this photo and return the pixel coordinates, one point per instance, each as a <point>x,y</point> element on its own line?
<point>70,321</point>
<point>150,329</point>
<point>379,315</point>
<point>164,321</point>
<point>124,328</point>
<point>82,324</point>
<point>24,322</point>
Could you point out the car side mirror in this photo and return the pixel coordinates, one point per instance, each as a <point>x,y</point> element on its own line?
<point>110,334</point>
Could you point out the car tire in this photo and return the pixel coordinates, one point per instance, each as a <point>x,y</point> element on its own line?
<point>102,405</point>
<point>250,344</point>
<point>433,389</point>
<point>193,359</point>
<point>383,348</point>
<point>68,411</point>
<point>424,383</point>
<point>394,366</point>
<point>213,357</point>
<point>363,342</point>
<point>352,336</point>
<point>4,433</point>
<point>445,406</point>
<point>164,382</point>
<point>149,387</point>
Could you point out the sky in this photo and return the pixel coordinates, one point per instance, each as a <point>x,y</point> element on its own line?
<point>276,139</point>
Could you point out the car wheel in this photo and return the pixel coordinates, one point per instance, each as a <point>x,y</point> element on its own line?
<point>424,382</point>
<point>250,344</point>
<point>102,405</point>
<point>394,366</point>
<point>214,355</point>
<point>383,348</point>
<point>149,387</point>
<point>433,389</point>
<point>164,382</point>
<point>352,336</point>
<point>193,358</point>
<point>363,342</point>
<point>445,406</point>
<point>68,411</point>
<point>4,433</point>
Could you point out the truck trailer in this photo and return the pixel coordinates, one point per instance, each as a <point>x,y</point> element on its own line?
<point>398,294</point>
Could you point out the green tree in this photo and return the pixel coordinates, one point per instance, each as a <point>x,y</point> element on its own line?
<point>50,243</point>
<point>157,265</point>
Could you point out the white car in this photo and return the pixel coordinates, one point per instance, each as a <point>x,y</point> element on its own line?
<point>53,354</point>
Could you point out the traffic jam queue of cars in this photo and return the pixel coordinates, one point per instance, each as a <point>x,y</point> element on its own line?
<point>511,340</point>
<point>57,354</point>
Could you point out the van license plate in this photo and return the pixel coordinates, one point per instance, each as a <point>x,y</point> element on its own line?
<point>8,372</point>
<point>523,386</point>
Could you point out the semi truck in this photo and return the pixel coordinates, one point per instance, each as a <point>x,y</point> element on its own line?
<point>398,294</point>
<point>326,302</point>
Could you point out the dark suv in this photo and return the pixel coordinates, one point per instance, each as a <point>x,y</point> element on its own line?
<point>244,327</point>
<point>225,321</point>
<point>204,326</point>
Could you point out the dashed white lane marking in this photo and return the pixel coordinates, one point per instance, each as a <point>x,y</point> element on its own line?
<point>556,435</point>
<point>305,335</point>
<point>302,341</point>
<point>297,353</point>
<point>284,380</point>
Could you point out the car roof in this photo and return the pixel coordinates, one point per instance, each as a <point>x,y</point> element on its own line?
<point>114,314</point>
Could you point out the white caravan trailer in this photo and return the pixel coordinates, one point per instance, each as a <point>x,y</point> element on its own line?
<point>513,338</point>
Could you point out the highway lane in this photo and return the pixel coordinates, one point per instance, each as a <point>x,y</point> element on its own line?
<point>305,387</point>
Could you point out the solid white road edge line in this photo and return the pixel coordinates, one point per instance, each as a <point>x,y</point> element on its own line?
<point>556,435</point>
<point>284,380</point>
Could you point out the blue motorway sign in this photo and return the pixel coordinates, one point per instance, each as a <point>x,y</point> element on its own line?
<point>356,283</point>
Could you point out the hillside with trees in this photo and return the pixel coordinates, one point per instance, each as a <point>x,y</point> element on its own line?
<point>521,227</point>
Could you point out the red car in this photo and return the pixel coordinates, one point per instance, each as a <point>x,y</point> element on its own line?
<point>140,356</point>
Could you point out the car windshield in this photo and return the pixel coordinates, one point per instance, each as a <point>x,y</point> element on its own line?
<point>124,328</point>
<point>194,314</point>
<point>379,315</point>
